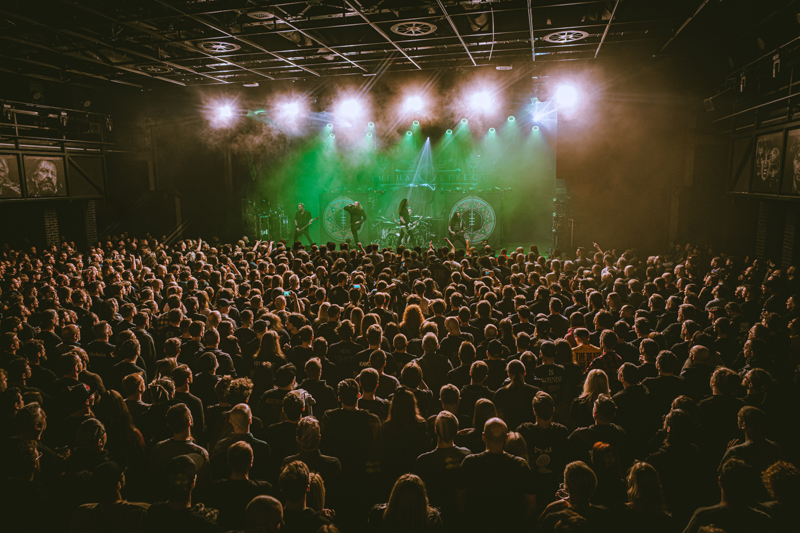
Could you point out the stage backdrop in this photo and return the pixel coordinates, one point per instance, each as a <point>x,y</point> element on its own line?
<point>334,222</point>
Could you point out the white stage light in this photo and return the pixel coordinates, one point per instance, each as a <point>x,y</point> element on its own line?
<point>349,109</point>
<point>413,104</point>
<point>481,102</point>
<point>567,96</point>
<point>224,112</point>
<point>290,110</point>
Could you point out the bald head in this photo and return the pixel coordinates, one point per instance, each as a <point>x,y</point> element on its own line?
<point>495,432</point>
<point>264,513</point>
<point>240,418</point>
<point>699,354</point>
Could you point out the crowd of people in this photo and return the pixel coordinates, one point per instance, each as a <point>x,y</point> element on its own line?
<point>261,387</point>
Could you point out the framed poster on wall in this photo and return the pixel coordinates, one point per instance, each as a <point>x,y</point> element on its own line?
<point>791,163</point>
<point>45,176</point>
<point>10,186</point>
<point>767,175</point>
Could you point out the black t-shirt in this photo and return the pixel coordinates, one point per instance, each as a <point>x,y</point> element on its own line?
<point>302,218</point>
<point>514,403</point>
<point>231,497</point>
<point>161,517</point>
<point>495,485</point>
<point>439,470</point>
<point>377,407</point>
<point>345,356</point>
<point>552,377</point>
<point>299,356</point>
<point>547,455</point>
<point>305,521</point>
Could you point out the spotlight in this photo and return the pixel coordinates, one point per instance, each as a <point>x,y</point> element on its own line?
<point>332,135</point>
<point>409,133</point>
<point>566,95</point>
<point>491,130</point>
<point>449,132</point>
<point>482,102</point>
<point>224,112</point>
<point>511,119</point>
<point>350,108</point>
<point>329,126</point>
<point>369,134</point>
<point>464,121</point>
<point>413,104</point>
<point>416,122</point>
<point>535,128</point>
<point>290,110</point>
<point>371,124</point>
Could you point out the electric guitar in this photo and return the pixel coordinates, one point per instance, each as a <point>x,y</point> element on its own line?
<point>300,230</point>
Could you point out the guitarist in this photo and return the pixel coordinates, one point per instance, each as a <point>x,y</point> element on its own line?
<point>302,220</point>
<point>457,229</point>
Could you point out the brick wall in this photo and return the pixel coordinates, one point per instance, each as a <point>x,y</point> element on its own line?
<point>761,235</point>
<point>51,226</point>
<point>787,256</point>
<point>90,220</point>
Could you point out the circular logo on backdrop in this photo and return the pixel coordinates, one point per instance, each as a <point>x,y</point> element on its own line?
<point>337,220</point>
<point>478,217</point>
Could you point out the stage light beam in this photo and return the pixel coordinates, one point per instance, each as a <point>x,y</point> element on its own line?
<point>224,112</point>
<point>290,110</point>
<point>491,130</point>
<point>464,121</point>
<point>567,96</point>
<point>449,132</point>
<point>349,109</point>
<point>511,119</point>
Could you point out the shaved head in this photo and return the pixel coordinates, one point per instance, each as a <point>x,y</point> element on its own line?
<point>264,513</point>
<point>495,432</point>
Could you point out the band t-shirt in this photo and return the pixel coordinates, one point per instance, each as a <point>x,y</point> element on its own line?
<point>302,218</point>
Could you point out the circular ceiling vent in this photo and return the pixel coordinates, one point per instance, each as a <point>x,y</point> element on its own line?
<point>568,36</point>
<point>155,69</point>
<point>218,47</point>
<point>260,15</point>
<point>414,28</point>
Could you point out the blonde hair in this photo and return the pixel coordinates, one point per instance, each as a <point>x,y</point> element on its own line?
<point>596,384</point>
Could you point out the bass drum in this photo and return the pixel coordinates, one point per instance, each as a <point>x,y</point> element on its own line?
<point>391,240</point>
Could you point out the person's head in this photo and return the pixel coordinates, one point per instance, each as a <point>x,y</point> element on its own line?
<point>181,475</point>
<point>240,457</point>
<point>495,432</point>
<point>450,396</point>
<point>294,481</point>
<point>240,418</point>
<point>739,482</point>
<point>782,481</point>
<point>543,406</point>
<point>725,381</point>
<point>407,508</point>
<point>446,426</point>
<point>30,420</point>
<point>429,343</point>
<point>411,375</point>
<point>666,363</point>
<point>596,384</point>
<point>604,409</point>
<point>644,489</point>
<point>45,178</point>
<point>484,410</point>
<point>403,407</point>
<point>478,372</point>
<point>753,422</point>
<point>264,514</point>
<point>629,374</point>
<point>91,435</point>
<point>308,434</point>
<point>580,482</point>
<point>179,419</point>
<point>516,445</point>
<point>368,379</point>
<point>293,406</point>
<point>348,392</point>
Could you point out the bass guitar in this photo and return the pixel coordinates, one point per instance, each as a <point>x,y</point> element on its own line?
<point>300,230</point>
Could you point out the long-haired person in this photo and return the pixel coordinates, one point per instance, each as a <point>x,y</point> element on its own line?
<point>407,510</point>
<point>456,228</point>
<point>404,218</point>
<point>646,509</point>
<point>576,495</point>
<point>404,435</point>
<point>581,410</point>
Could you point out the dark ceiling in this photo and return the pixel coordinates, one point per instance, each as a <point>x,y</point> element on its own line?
<point>146,43</point>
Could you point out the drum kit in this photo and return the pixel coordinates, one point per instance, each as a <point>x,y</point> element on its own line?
<point>419,232</point>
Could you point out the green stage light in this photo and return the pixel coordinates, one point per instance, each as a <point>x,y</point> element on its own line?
<point>464,121</point>
<point>416,122</point>
<point>536,128</point>
<point>371,124</point>
<point>449,132</point>
<point>491,130</point>
<point>511,119</point>
<point>330,126</point>
<point>409,133</point>
<point>332,135</point>
<point>369,134</point>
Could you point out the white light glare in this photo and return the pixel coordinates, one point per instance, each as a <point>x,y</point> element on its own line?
<point>224,112</point>
<point>567,95</point>
<point>481,101</point>
<point>290,110</point>
<point>350,108</point>
<point>413,104</point>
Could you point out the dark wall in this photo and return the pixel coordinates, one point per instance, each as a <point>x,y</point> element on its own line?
<point>622,152</point>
